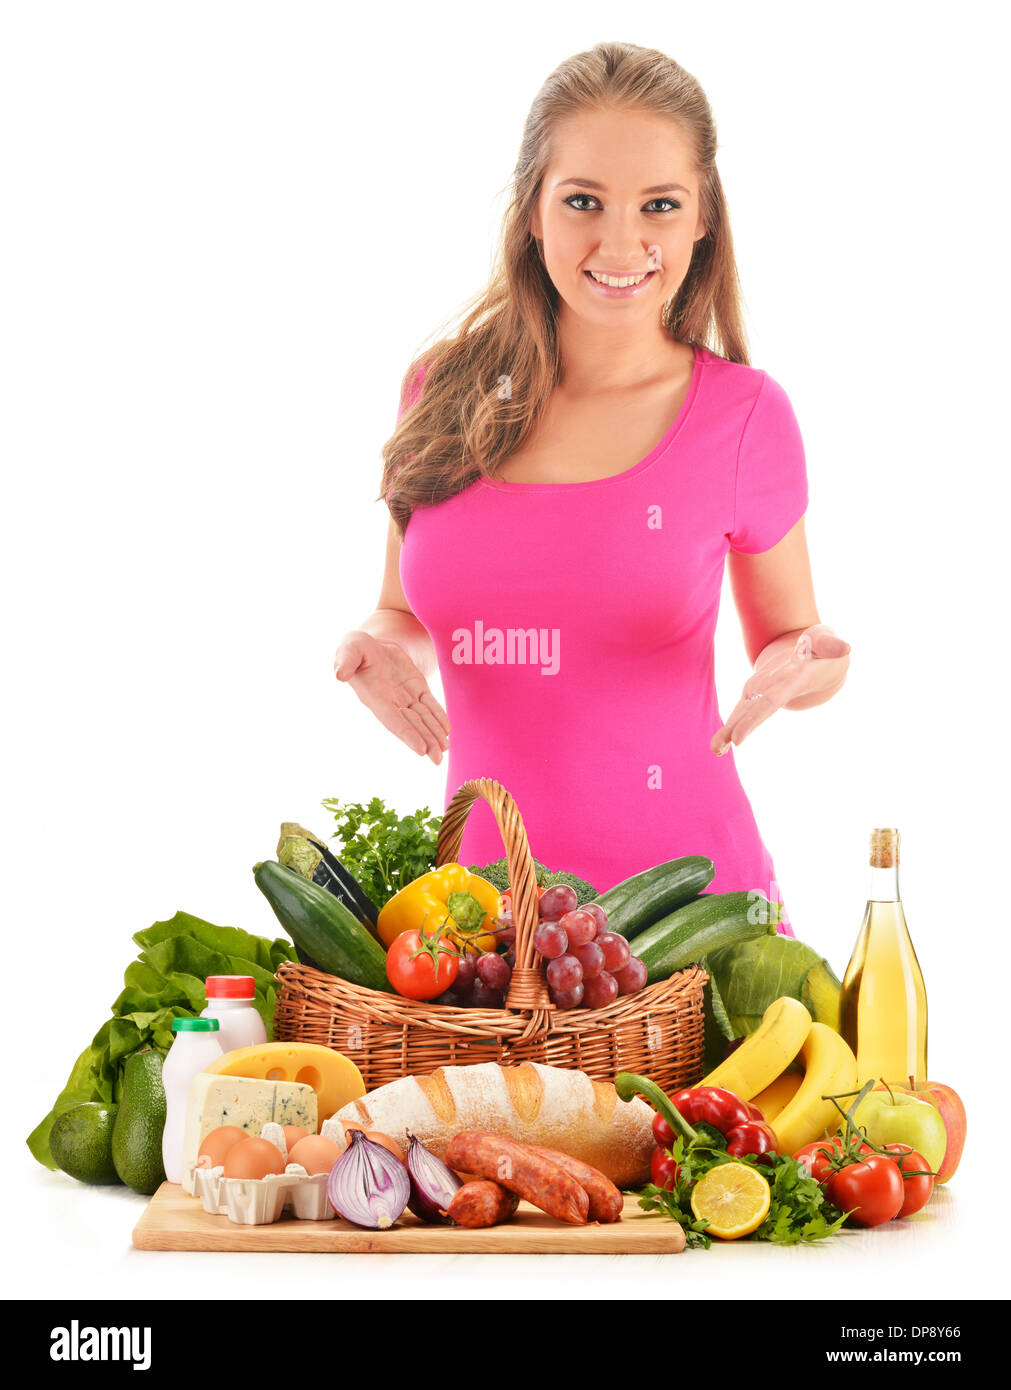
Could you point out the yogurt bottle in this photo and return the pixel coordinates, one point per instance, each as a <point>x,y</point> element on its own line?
<point>194,1047</point>
<point>230,1001</point>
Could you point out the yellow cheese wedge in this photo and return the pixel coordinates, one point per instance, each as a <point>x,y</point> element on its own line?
<point>334,1078</point>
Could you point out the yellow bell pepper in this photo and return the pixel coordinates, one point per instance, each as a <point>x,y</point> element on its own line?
<point>424,905</point>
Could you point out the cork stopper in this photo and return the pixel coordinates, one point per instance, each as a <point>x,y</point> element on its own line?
<point>884,848</point>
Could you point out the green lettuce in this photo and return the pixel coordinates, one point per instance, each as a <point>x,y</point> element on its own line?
<point>165,982</point>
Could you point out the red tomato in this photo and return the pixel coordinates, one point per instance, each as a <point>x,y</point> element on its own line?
<point>507,898</point>
<point>816,1156</point>
<point>663,1171</point>
<point>918,1188</point>
<point>420,969</point>
<point>872,1191</point>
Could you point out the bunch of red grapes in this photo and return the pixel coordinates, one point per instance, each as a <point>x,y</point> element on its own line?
<point>587,965</point>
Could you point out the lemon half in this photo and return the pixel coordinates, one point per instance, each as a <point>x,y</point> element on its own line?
<point>733,1198</point>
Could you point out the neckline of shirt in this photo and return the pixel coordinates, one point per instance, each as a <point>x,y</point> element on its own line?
<point>501,485</point>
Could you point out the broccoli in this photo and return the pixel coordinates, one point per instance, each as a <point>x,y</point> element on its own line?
<point>498,874</point>
<point>585,892</point>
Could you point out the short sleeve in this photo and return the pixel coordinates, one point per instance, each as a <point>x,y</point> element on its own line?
<point>771,483</point>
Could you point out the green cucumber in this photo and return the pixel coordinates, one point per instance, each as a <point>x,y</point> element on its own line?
<point>641,900</point>
<point>322,927</point>
<point>707,924</point>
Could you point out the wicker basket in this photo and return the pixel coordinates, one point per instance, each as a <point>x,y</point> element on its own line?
<point>657,1032</point>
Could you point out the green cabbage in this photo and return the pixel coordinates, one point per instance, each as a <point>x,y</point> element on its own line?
<point>750,976</point>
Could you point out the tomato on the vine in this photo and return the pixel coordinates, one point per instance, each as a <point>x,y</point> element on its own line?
<point>817,1156</point>
<point>872,1191</point>
<point>421,966</point>
<point>917,1179</point>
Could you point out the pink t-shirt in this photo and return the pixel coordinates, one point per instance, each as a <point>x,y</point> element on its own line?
<point>574,622</point>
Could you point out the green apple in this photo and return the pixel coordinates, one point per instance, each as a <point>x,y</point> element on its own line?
<point>899,1118</point>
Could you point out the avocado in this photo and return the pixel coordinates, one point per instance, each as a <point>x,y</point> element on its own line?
<point>81,1142</point>
<point>136,1135</point>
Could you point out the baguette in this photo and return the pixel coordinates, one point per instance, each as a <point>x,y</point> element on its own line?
<point>553,1107</point>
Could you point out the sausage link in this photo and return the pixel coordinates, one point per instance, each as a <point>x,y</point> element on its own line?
<point>606,1201</point>
<point>482,1203</point>
<point>537,1180</point>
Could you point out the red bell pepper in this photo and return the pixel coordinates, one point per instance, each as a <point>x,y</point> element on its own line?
<point>697,1105</point>
<point>722,1111</point>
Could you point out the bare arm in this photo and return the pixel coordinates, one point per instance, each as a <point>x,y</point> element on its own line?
<point>797,661</point>
<point>387,660</point>
<point>392,620</point>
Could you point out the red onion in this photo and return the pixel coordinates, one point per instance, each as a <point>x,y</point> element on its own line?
<point>368,1185</point>
<point>432,1183</point>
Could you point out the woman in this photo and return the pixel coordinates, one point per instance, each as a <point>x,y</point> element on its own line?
<point>571,471</point>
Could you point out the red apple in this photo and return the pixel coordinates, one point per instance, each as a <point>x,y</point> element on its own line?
<point>948,1103</point>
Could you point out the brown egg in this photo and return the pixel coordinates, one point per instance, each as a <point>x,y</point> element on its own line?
<point>375,1136</point>
<point>315,1154</point>
<point>387,1143</point>
<point>292,1134</point>
<point>217,1144</point>
<point>253,1158</point>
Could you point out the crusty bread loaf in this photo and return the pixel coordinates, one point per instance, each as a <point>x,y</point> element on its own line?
<point>551,1106</point>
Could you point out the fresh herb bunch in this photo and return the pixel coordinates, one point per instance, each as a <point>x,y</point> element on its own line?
<point>798,1209</point>
<point>382,849</point>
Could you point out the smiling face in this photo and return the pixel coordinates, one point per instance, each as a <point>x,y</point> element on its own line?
<point>619,201</point>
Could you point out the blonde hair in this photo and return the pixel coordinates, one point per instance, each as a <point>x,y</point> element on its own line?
<point>463,423</point>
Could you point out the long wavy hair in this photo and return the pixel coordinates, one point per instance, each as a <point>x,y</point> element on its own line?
<point>465,420</point>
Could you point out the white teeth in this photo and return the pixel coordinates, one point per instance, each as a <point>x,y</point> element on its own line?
<point>615,282</point>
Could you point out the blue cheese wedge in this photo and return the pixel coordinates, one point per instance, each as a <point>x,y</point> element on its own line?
<point>248,1104</point>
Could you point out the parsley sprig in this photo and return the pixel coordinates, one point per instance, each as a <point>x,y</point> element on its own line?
<point>382,849</point>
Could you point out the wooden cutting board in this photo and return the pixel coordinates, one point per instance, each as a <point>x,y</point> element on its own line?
<point>172,1220</point>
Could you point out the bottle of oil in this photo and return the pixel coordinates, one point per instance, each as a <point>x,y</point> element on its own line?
<point>884,1004</point>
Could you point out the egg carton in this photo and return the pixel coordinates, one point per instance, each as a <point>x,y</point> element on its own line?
<point>260,1201</point>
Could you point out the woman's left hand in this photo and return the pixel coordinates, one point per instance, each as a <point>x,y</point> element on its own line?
<point>813,664</point>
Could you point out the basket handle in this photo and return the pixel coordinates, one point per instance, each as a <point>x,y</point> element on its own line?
<point>527,989</point>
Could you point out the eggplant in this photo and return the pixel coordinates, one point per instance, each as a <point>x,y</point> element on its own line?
<point>300,850</point>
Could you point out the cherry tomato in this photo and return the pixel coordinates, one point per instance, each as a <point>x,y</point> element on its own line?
<point>872,1191</point>
<point>816,1156</point>
<point>421,969</point>
<point>917,1188</point>
<point>663,1171</point>
<point>507,898</point>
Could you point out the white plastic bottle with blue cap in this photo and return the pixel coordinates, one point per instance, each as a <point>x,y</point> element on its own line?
<point>195,1046</point>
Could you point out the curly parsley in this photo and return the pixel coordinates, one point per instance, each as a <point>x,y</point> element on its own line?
<point>382,849</point>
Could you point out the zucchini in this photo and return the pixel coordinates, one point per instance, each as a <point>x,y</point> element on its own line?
<point>322,926</point>
<point>693,931</point>
<point>641,900</point>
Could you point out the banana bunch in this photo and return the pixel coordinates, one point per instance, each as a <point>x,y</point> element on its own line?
<point>758,1071</point>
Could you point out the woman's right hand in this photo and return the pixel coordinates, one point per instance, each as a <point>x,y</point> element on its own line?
<point>385,679</point>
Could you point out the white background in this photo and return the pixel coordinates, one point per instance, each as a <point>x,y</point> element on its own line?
<point>228,230</point>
